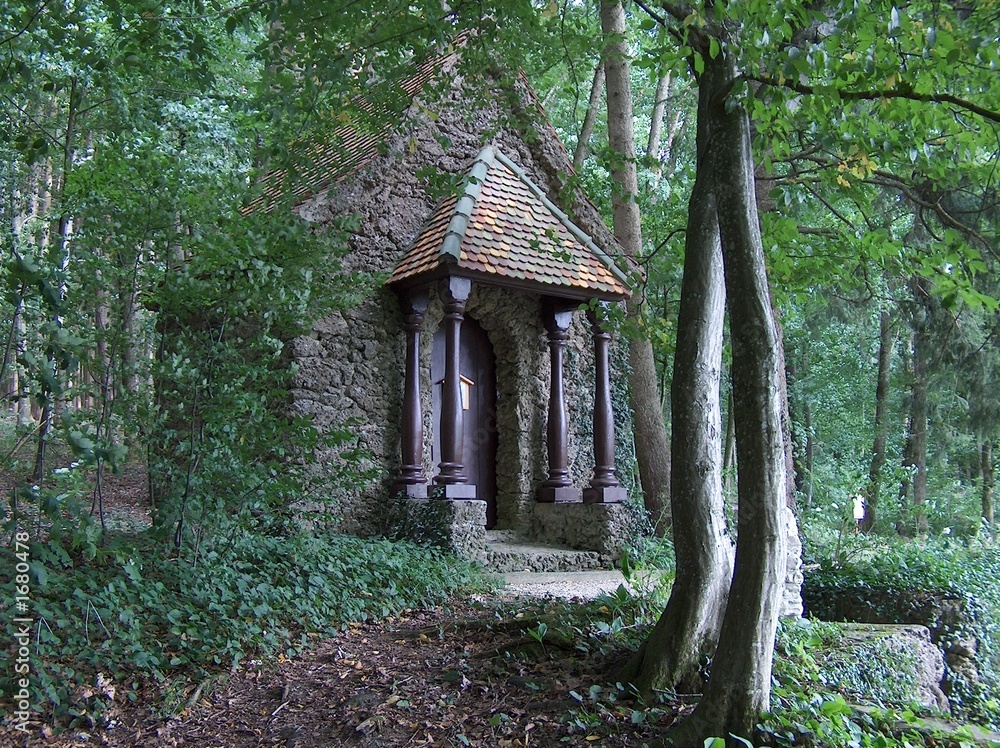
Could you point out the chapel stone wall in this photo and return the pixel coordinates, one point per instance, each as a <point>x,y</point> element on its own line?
<point>350,368</point>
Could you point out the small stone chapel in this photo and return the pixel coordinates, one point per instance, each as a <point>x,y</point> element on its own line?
<point>478,370</point>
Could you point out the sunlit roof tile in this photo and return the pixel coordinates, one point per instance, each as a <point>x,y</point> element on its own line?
<point>513,231</point>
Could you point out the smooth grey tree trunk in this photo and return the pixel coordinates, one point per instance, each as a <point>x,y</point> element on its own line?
<point>590,118</point>
<point>652,446</point>
<point>656,120</point>
<point>687,632</point>
<point>871,493</point>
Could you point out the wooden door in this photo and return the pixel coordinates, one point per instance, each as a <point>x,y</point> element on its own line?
<point>479,404</point>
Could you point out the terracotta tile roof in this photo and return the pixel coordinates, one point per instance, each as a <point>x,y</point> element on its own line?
<point>503,229</point>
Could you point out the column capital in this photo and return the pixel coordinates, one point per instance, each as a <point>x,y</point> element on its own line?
<point>414,302</point>
<point>454,291</point>
<point>557,315</point>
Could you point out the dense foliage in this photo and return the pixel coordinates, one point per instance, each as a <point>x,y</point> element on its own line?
<point>952,587</point>
<point>125,617</point>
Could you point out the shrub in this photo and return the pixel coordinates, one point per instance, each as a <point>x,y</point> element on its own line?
<point>127,614</point>
<point>952,587</point>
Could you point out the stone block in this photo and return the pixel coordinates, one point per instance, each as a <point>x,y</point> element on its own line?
<point>604,528</point>
<point>456,525</point>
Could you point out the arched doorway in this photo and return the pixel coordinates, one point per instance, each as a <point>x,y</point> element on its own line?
<point>479,401</point>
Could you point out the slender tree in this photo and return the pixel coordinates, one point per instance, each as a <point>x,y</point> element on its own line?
<point>987,470</point>
<point>651,441</point>
<point>589,118</point>
<point>871,492</point>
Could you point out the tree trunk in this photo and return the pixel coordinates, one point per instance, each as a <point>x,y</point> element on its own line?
<point>652,446</point>
<point>810,452</point>
<point>740,685</point>
<point>916,438</point>
<point>871,494</point>
<point>656,120</point>
<point>798,404</point>
<point>9,382</point>
<point>687,633</point>
<point>663,85</point>
<point>589,119</point>
<point>987,470</point>
<point>60,259</point>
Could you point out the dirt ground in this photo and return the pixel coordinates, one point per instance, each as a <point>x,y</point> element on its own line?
<point>463,675</point>
<point>466,674</point>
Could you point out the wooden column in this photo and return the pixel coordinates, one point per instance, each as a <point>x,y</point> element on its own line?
<point>452,480</point>
<point>557,317</point>
<point>412,482</point>
<point>604,486</point>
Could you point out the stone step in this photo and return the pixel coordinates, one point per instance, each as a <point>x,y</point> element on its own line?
<point>504,536</point>
<point>586,585</point>
<point>506,556</point>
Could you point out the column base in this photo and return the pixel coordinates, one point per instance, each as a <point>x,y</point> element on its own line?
<point>604,495</point>
<point>410,490</point>
<point>452,491</point>
<point>557,495</point>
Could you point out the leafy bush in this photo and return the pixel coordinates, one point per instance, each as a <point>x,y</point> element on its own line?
<point>127,614</point>
<point>651,552</point>
<point>950,586</point>
<point>815,657</point>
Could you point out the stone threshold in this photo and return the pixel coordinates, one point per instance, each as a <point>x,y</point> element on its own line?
<point>505,552</point>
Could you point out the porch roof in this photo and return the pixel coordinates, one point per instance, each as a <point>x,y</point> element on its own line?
<point>502,229</point>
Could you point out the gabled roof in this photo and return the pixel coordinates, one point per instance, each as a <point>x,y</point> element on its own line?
<point>503,230</point>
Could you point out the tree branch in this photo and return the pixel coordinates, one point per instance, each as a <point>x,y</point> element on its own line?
<point>15,34</point>
<point>887,179</point>
<point>892,93</point>
<point>679,12</point>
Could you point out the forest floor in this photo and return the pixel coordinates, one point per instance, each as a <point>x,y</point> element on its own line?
<point>468,673</point>
<point>454,676</point>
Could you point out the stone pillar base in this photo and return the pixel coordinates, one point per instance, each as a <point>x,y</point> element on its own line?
<point>604,495</point>
<point>559,495</point>
<point>604,528</point>
<point>449,491</point>
<point>410,490</point>
<point>453,525</point>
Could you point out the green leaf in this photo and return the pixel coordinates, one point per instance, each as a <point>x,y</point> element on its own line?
<point>699,63</point>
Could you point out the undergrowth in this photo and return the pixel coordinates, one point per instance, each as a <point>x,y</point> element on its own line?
<point>121,616</point>
<point>952,586</point>
<point>827,688</point>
